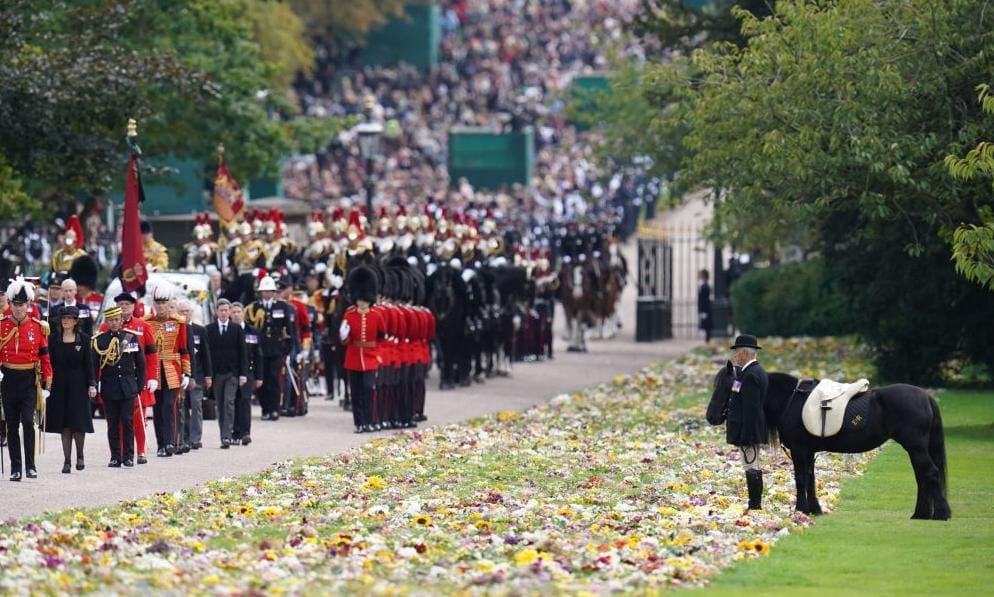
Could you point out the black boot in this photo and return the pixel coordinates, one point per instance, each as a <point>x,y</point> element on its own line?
<point>754,481</point>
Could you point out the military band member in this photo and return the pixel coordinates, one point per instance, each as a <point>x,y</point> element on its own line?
<point>156,254</point>
<point>202,251</point>
<point>173,375</point>
<point>71,249</point>
<point>121,376</point>
<point>274,319</point>
<point>361,329</point>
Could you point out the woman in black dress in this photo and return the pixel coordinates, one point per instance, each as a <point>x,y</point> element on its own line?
<point>73,386</point>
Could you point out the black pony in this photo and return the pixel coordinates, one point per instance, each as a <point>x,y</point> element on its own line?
<point>904,413</point>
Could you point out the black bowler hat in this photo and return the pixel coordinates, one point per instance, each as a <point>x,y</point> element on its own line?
<point>70,311</point>
<point>126,297</point>
<point>746,341</point>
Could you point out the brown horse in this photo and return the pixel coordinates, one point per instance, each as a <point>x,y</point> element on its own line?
<point>577,285</point>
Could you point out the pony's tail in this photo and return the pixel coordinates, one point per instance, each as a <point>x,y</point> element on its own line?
<point>937,443</point>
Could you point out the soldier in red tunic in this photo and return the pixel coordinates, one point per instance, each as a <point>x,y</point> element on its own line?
<point>361,329</point>
<point>25,364</point>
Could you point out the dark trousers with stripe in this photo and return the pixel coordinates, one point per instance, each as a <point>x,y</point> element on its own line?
<point>120,428</point>
<point>271,390</point>
<point>164,417</point>
<point>19,398</point>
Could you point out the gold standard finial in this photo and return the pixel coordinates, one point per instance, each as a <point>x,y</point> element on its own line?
<point>132,128</point>
<point>220,150</point>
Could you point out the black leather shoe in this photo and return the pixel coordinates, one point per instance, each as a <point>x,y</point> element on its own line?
<point>15,476</point>
<point>32,474</point>
<point>246,440</point>
<point>170,449</point>
<point>128,462</point>
<point>197,446</point>
<point>225,444</point>
<point>142,459</point>
<point>359,429</point>
<point>161,452</point>
<point>185,449</point>
<point>80,465</point>
<point>114,463</point>
<point>66,468</point>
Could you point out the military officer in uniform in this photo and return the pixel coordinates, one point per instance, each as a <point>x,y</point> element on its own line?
<point>361,329</point>
<point>274,319</point>
<point>253,378</point>
<point>174,369</point>
<point>121,375</point>
<point>25,364</point>
<point>64,256</point>
<point>745,426</point>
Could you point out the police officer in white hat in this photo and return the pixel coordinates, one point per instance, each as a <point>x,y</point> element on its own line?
<point>277,335</point>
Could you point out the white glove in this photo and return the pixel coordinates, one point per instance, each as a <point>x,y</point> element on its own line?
<point>45,394</point>
<point>186,381</point>
<point>300,357</point>
<point>241,380</point>
<point>343,331</point>
<point>152,385</point>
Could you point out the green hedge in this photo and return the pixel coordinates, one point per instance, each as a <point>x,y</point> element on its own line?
<point>790,300</point>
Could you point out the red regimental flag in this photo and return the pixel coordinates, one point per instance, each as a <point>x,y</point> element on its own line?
<point>229,202</point>
<point>133,273</point>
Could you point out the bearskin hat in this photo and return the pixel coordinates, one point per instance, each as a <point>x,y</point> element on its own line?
<point>363,284</point>
<point>84,271</point>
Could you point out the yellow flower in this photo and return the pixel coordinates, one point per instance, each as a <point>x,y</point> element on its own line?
<point>526,557</point>
<point>564,512</point>
<point>484,565</point>
<point>507,415</point>
<point>483,526</point>
<point>373,482</point>
<point>744,545</point>
<point>213,579</point>
<point>422,520</point>
<point>620,380</point>
<point>760,547</point>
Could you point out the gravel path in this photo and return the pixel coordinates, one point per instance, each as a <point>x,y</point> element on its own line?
<point>326,429</point>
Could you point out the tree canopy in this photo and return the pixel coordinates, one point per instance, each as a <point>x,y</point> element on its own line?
<point>192,74</point>
<point>827,128</point>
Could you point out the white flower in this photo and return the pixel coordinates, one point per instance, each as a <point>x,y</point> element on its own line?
<point>407,552</point>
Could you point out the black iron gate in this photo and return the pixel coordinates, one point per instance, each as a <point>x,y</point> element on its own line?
<point>669,260</point>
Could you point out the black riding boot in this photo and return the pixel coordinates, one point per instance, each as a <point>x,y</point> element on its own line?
<point>754,481</point>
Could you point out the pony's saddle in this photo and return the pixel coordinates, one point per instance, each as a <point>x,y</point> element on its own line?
<point>825,408</point>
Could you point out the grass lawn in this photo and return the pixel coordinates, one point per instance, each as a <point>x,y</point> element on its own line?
<point>870,545</point>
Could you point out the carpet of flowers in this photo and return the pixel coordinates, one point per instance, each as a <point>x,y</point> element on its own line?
<point>620,487</point>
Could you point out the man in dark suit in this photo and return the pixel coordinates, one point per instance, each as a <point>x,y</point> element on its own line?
<point>201,378</point>
<point>253,377</point>
<point>226,342</point>
<point>746,423</point>
<point>121,375</point>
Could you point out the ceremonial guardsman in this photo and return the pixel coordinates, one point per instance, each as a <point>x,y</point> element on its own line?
<point>202,251</point>
<point>121,377</point>
<point>146,341</point>
<point>26,368</point>
<point>274,319</point>
<point>245,257</point>
<point>71,249</point>
<point>156,254</point>
<point>361,329</point>
<point>174,368</point>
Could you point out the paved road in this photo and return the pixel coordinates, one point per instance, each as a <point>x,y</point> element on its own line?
<point>325,429</point>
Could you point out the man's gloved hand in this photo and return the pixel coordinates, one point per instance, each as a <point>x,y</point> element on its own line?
<point>186,381</point>
<point>343,331</point>
<point>152,385</point>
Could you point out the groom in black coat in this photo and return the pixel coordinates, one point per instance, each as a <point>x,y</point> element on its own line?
<point>746,424</point>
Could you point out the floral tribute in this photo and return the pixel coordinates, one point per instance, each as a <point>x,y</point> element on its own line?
<point>622,487</point>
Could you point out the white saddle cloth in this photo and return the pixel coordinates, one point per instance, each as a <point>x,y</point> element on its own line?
<point>825,408</point>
